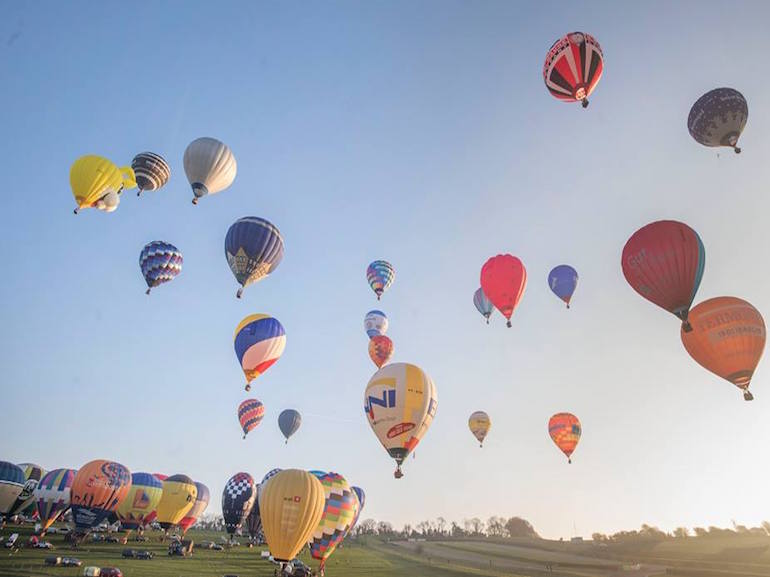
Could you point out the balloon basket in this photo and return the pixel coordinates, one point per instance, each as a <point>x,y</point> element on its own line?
<point>195,201</point>
<point>747,396</point>
<point>584,102</point>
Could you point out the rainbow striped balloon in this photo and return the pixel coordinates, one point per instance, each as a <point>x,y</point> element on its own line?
<point>250,414</point>
<point>338,516</point>
<point>380,275</point>
<point>52,495</point>
<point>259,342</point>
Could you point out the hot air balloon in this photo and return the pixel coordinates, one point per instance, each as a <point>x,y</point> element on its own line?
<point>400,402</point>
<point>198,508</point>
<point>52,495</point>
<point>380,275</point>
<point>259,342</point>
<point>483,304</point>
<point>151,171</point>
<point>142,499</point>
<point>209,165</point>
<point>361,496</point>
<point>150,518</point>
<point>375,323</point>
<point>563,281</point>
<point>503,280</point>
<point>289,421</point>
<point>663,261</point>
<point>254,249</point>
<point>254,521</point>
<point>565,430</point>
<point>250,413</point>
<point>479,424</point>
<point>727,338</point>
<point>96,183</point>
<point>380,350</point>
<point>179,494</point>
<point>573,67</point>
<point>718,118</point>
<point>160,262</point>
<point>11,484</point>
<point>269,475</point>
<point>237,500</point>
<point>25,502</point>
<point>291,506</point>
<point>98,488</point>
<point>338,515</point>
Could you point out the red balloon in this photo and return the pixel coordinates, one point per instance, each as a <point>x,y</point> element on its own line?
<point>664,263</point>
<point>380,350</point>
<point>503,280</point>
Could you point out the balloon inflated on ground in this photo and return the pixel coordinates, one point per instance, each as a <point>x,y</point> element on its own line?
<point>400,402</point>
<point>52,495</point>
<point>238,498</point>
<point>142,499</point>
<point>340,507</point>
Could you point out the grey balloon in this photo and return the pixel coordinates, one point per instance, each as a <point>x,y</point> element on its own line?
<point>289,421</point>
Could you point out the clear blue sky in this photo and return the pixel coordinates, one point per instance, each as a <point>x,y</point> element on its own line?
<point>419,132</point>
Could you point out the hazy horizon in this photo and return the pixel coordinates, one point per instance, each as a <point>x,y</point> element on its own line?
<point>420,133</point>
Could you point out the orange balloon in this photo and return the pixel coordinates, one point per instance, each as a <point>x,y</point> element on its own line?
<point>380,349</point>
<point>565,431</point>
<point>97,490</point>
<point>727,338</point>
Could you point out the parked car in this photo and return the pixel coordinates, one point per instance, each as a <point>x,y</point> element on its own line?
<point>206,545</point>
<point>92,572</point>
<point>145,554</point>
<point>216,547</point>
<point>11,541</point>
<point>181,548</point>
<point>110,572</point>
<point>141,539</point>
<point>43,545</point>
<point>128,553</point>
<point>298,569</point>
<point>112,540</point>
<point>71,562</point>
<point>97,538</point>
<point>53,560</point>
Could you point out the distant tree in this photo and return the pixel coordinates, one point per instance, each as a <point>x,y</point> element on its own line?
<point>407,531</point>
<point>599,537</point>
<point>518,527</point>
<point>384,528</point>
<point>652,533</point>
<point>424,528</point>
<point>700,532</point>
<point>367,527</point>
<point>441,526</point>
<point>766,526</point>
<point>468,526</point>
<point>681,533</point>
<point>457,531</point>
<point>478,526</point>
<point>496,527</point>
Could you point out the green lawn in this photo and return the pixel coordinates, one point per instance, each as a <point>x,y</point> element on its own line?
<point>370,558</point>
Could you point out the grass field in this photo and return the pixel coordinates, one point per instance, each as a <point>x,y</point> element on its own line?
<point>746,556</point>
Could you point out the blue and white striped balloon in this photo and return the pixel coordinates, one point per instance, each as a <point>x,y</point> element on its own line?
<point>375,323</point>
<point>483,304</point>
<point>160,262</point>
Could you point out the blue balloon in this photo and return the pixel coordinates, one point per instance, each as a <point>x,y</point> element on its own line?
<point>254,248</point>
<point>289,421</point>
<point>563,282</point>
<point>483,304</point>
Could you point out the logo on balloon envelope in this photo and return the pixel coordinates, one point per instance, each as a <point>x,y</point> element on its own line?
<point>387,401</point>
<point>400,429</point>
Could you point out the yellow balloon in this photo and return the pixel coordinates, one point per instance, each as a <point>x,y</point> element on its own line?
<point>141,500</point>
<point>479,424</point>
<point>179,494</point>
<point>400,402</point>
<point>291,506</point>
<point>92,178</point>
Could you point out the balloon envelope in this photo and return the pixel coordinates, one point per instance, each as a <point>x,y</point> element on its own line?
<point>727,338</point>
<point>11,483</point>
<point>718,118</point>
<point>25,502</point>
<point>563,281</point>
<point>259,342</point>
<point>160,262</point>
<point>237,500</point>
<point>375,323</point>
<point>479,424</point>
<point>250,413</point>
<point>98,488</point>
<point>483,304</point>
<point>93,177</point>
<point>339,512</point>
<point>361,496</point>
<point>253,248</point>
<point>178,497</point>
<point>151,171</point>
<point>573,67</point>
<point>291,506</point>
<point>380,275</point>
<point>198,508</point>
<point>400,402</point>
<point>209,165</point>
<point>664,262</point>
<point>289,421</point>
<point>52,495</point>
<point>380,350</point>
<point>565,431</point>
<point>503,280</point>
<point>143,498</point>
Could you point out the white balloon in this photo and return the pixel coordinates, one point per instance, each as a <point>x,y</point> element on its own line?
<point>210,166</point>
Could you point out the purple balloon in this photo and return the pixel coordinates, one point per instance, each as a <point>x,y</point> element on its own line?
<point>563,282</point>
